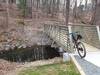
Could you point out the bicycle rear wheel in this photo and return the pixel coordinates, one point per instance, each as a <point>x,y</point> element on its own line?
<point>81,49</point>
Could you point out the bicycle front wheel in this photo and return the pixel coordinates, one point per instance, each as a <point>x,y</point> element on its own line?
<point>81,49</point>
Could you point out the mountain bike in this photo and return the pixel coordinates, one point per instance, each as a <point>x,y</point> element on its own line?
<point>77,44</point>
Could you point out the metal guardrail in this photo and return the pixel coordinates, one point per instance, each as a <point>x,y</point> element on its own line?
<point>59,34</point>
<point>89,33</point>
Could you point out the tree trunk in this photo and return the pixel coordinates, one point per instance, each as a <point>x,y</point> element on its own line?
<point>7,13</point>
<point>93,19</point>
<point>67,11</point>
<point>74,11</point>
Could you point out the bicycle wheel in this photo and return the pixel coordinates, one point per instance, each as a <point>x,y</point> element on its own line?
<point>81,49</point>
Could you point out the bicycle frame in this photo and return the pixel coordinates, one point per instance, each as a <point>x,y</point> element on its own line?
<point>78,45</point>
<point>74,39</point>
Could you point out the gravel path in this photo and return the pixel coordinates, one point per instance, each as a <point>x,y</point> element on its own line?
<point>89,68</point>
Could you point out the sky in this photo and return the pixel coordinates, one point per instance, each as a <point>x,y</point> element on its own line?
<point>78,1</point>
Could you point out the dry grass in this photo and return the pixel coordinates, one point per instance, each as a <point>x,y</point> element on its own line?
<point>53,69</point>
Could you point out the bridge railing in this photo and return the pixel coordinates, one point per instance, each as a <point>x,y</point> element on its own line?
<point>90,34</point>
<point>59,34</point>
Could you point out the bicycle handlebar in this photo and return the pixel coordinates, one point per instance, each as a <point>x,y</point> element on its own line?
<point>73,33</point>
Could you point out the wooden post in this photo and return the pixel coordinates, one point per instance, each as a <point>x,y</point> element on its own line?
<point>98,31</point>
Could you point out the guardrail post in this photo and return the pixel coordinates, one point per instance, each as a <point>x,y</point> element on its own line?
<point>70,31</point>
<point>70,37</point>
<point>98,31</point>
<point>59,33</point>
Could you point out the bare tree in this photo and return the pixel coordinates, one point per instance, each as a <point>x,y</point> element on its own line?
<point>67,11</point>
<point>75,11</point>
<point>58,4</point>
<point>7,13</point>
<point>94,7</point>
<point>86,3</point>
